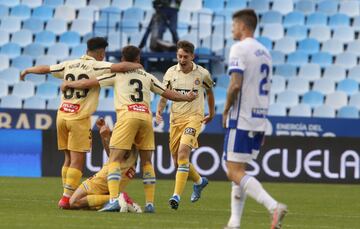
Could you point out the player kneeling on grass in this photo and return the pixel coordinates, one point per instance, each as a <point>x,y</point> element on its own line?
<point>93,193</point>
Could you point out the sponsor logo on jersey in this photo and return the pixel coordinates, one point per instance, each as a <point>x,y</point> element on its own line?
<point>190,131</point>
<point>69,107</point>
<point>138,108</point>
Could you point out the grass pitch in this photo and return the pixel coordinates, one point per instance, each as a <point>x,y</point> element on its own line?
<point>32,203</point>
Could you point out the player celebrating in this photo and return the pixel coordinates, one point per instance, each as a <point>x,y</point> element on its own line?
<point>93,192</point>
<point>245,117</point>
<point>186,118</point>
<point>73,117</point>
<point>134,122</point>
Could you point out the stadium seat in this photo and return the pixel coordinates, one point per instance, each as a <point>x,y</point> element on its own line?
<point>134,14</point>
<point>45,60</point>
<point>349,86</point>
<point>10,24</point>
<point>57,26</point>
<point>4,37</point>
<point>222,81</point>
<point>4,11</point>
<point>233,5</point>
<point>298,32</point>
<point>100,3</point>
<point>353,46</point>
<point>112,15</point>
<point>70,38</point>
<point>309,46</point>
<point>323,59</point>
<point>45,38</point>
<point>310,72</point>
<point>214,42</point>
<point>344,34</point>
<point>106,104</point>
<point>305,6</point>
<point>53,104</point>
<point>347,60</point>
<point>34,25</point>
<point>191,5</point>
<point>143,4</point>
<point>328,7</point>
<point>273,31</point>
<point>286,45</point>
<point>22,37</point>
<point>298,58</point>
<point>278,57</point>
<point>192,37</point>
<point>313,98</point>
<point>317,19</point>
<point>47,91</point>
<point>324,111</point>
<point>4,88</point>
<point>34,50</point>
<point>283,6</point>
<point>277,84</point>
<point>35,103</point>
<point>130,27</point>
<point>122,4</point>
<point>298,85</point>
<point>78,50</point>
<point>81,26</point>
<point>336,99</point>
<point>339,20</point>
<point>271,17</point>
<point>355,100</point>
<point>333,47</point>
<point>204,30</point>
<point>44,13</point>
<point>260,6</point>
<point>356,23</point>
<point>4,62</point>
<point>66,13</point>
<point>293,18</point>
<point>23,90</point>
<point>36,79</point>
<point>320,33</point>
<point>334,73</point>
<point>215,5</point>
<point>110,92</point>
<point>10,3</point>
<point>324,86</point>
<point>266,42</point>
<point>10,76</point>
<point>286,70</point>
<point>301,110</point>
<point>354,73</point>
<point>53,80</point>
<point>11,101</point>
<point>31,3</point>
<point>348,112</point>
<point>349,8</point>
<point>11,50</point>
<point>288,98</point>
<point>22,62</point>
<point>22,12</point>
<point>53,3</point>
<point>220,94</point>
<point>88,13</point>
<point>277,109</point>
<point>76,4</point>
<point>115,43</point>
<point>60,50</point>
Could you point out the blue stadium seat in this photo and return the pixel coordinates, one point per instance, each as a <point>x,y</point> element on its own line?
<point>310,72</point>
<point>266,42</point>
<point>215,5</point>
<point>53,3</point>
<point>309,46</point>
<point>298,85</point>
<point>339,20</point>
<point>10,76</point>
<point>34,25</point>
<point>356,23</point>
<point>320,33</point>
<point>153,104</point>
<point>220,94</point>
<point>10,3</point>
<point>323,59</point>
<point>277,84</point>
<point>324,111</point>
<point>134,14</point>
<point>355,100</point>
<point>344,34</point>
<point>288,98</point>
<point>66,13</point>
<point>324,86</point>
<point>260,6</point>
<point>4,62</point>
<point>22,37</point>
<point>271,17</point>
<point>349,86</point>
<point>305,6</point>
<point>122,4</point>
<point>45,38</point>
<point>35,103</point>
<point>286,70</point>
<point>20,11</point>
<point>294,18</point>
<point>301,110</point>
<point>22,62</point>
<point>11,101</point>
<point>76,4</point>
<point>353,46</point>
<point>277,109</point>
<point>354,73</point>
<point>336,99</point>
<point>317,19</point>
<point>10,24</point>
<point>81,26</point>
<point>36,79</point>
<point>347,59</point>
<point>24,89</point>
<point>333,47</point>
<point>53,80</point>
<point>4,88</point>
<point>349,8</point>
<point>143,4</point>
<point>70,38</point>
<point>298,32</point>
<point>129,27</point>
<point>60,50</point>
<point>31,3</point>
<point>4,11</point>
<point>273,31</point>
<point>100,3</point>
<point>57,26</point>
<point>191,5</point>
<point>11,50</point>
<point>235,5</point>
<point>283,6</point>
<point>34,50</point>
<point>45,60</point>
<point>334,73</point>
<point>313,98</point>
<point>106,104</point>
<point>328,7</point>
<point>298,58</point>
<point>202,51</point>
<point>111,15</point>
<point>47,91</point>
<point>102,94</point>
<point>43,13</point>
<point>204,30</point>
<point>203,16</point>
<point>110,92</point>
<point>78,50</point>
<point>348,112</point>
<point>222,81</point>
<point>278,57</point>
<point>87,13</point>
<point>53,104</point>
<point>115,43</point>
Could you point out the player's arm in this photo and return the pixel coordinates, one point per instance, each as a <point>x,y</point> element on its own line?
<point>80,84</point>
<point>160,108</point>
<point>41,69</point>
<point>125,66</point>
<point>232,92</point>
<point>211,105</point>
<point>179,97</point>
<point>105,135</point>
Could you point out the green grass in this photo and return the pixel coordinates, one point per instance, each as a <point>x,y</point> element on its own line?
<point>32,203</point>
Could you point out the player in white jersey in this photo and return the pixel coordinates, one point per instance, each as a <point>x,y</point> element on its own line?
<point>244,117</point>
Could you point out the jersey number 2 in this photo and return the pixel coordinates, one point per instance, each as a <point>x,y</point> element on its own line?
<point>264,70</point>
<point>140,96</point>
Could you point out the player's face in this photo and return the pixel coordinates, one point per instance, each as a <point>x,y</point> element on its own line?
<point>237,26</point>
<point>184,59</point>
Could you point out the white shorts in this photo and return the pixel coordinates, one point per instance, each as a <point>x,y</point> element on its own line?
<point>242,145</point>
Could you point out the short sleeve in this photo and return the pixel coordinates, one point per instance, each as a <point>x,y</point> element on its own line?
<point>106,79</point>
<point>167,80</point>
<point>57,70</point>
<point>102,67</point>
<point>236,60</point>
<point>207,81</point>
<point>156,85</point>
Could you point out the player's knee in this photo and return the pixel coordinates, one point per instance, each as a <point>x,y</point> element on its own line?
<point>231,175</point>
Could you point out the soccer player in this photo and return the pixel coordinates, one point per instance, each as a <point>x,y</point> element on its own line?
<point>244,117</point>
<point>73,116</point>
<point>134,122</point>
<point>93,193</point>
<point>186,118</point>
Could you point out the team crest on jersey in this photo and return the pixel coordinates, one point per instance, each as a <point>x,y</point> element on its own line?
<point>190,131</point>
<point>69,107</point>
<point>197,82</point>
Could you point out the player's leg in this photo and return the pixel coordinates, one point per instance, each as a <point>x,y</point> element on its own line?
<point>78,199</point>
<point>149,179</point>
<point>74,172</point>
<point>65,166</point>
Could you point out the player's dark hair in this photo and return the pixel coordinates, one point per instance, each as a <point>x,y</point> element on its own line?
<point>130,53</point>
<point>248,16</point>
<point>96,43</point>
<point>186,46</point>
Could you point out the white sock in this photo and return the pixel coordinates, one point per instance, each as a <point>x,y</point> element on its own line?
<point>237,205</point>
<point>253,188</point>
<point>199,181</point>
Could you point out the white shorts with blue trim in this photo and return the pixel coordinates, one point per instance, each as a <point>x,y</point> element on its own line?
<point>242,145</point>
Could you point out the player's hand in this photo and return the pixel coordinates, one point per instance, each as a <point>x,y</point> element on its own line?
<point>22,75</point>
<point>208,118</point>
<point>105,131</point>
<point>159,119</point>
<point>191,96</point>
<point>224,118</point>
<point>100,122</point>
<point>64,86</point>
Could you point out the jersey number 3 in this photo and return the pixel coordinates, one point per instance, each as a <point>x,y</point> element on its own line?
<point>265,71</point>
<point>139,97</point>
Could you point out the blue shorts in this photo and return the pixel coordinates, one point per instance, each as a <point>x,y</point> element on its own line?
<point>242,145</point>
